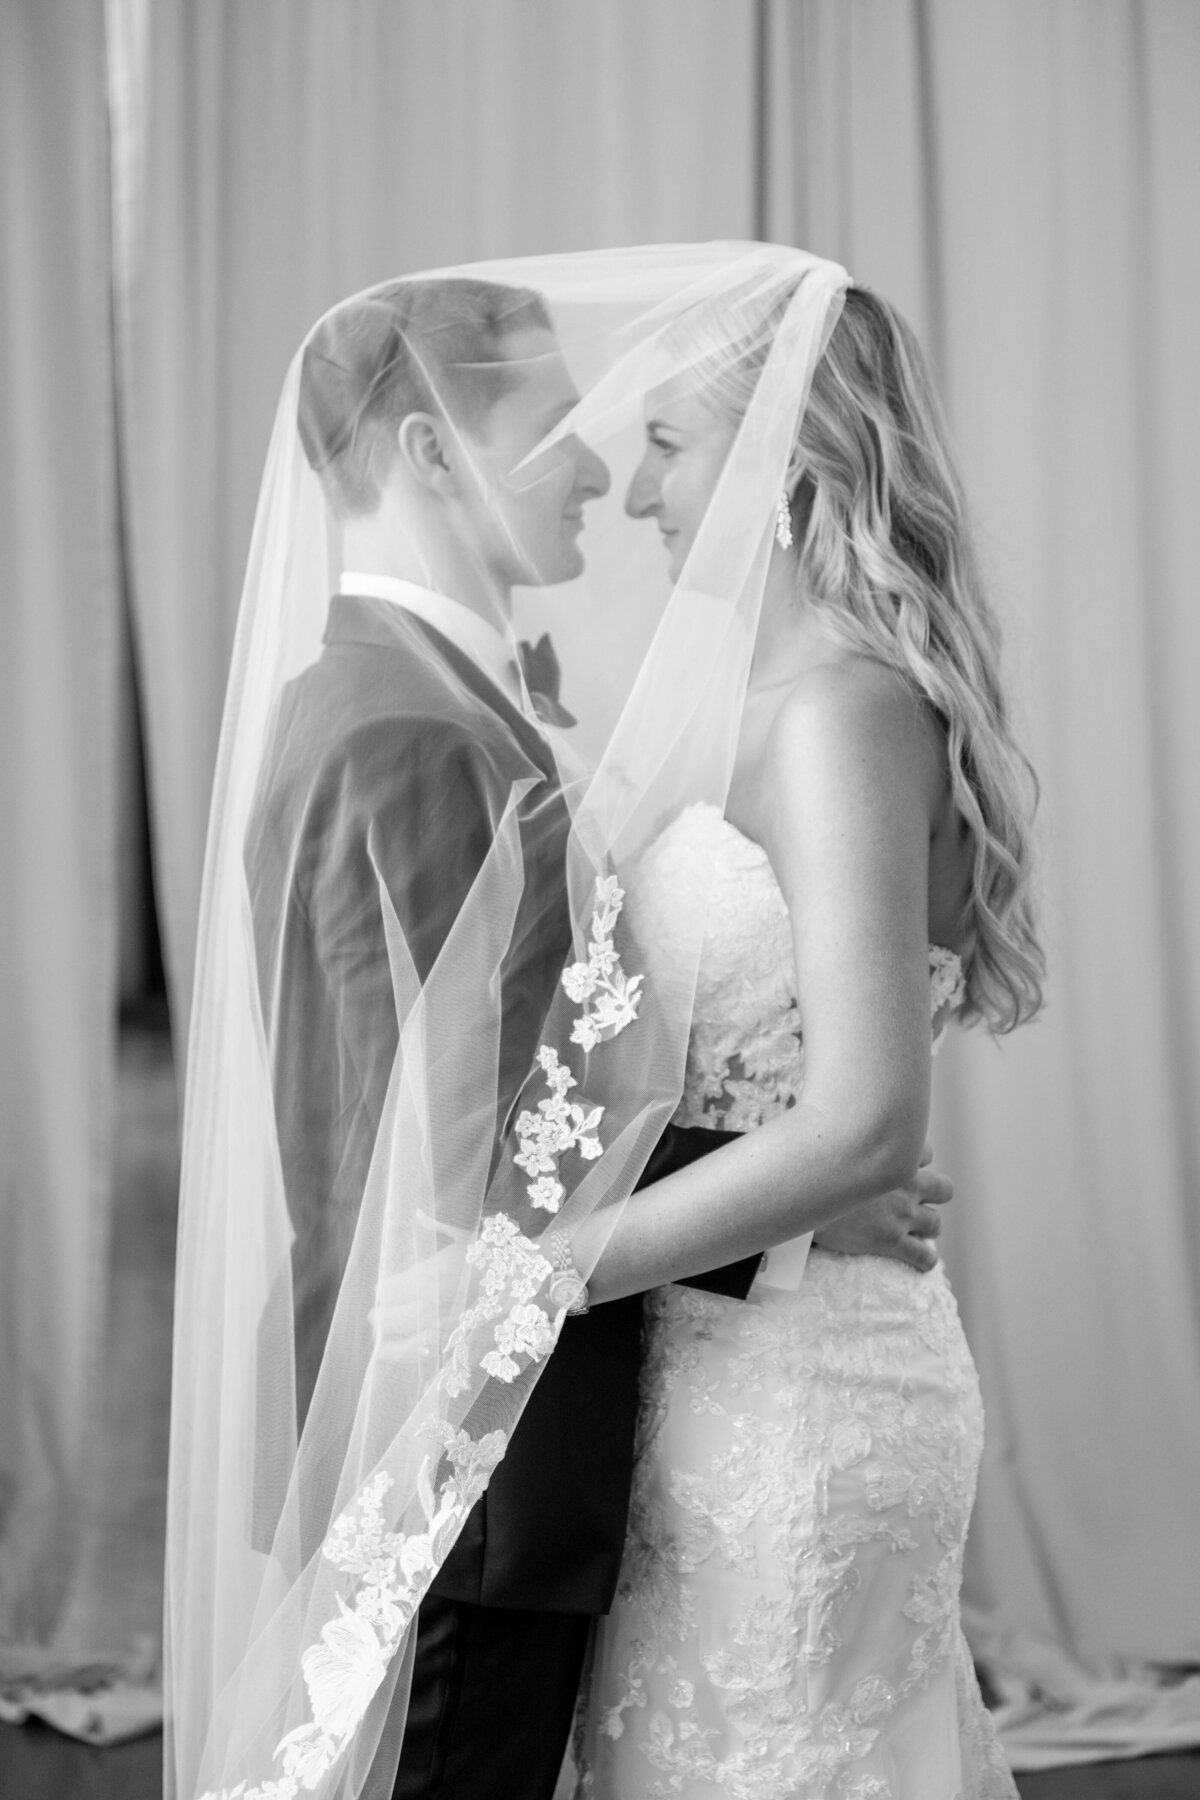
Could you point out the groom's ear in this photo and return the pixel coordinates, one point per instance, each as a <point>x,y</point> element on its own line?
<point>420,437</point>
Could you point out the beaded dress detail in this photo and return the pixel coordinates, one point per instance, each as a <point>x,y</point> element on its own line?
<point>786,1625</point>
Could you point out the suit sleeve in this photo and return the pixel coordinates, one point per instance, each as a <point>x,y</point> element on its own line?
<point>429,816</point>
<point>419,803</point>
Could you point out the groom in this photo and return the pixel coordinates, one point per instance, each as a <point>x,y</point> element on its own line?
<point>418,706</point>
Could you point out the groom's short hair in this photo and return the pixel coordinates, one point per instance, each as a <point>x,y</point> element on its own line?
<point>433,346</point>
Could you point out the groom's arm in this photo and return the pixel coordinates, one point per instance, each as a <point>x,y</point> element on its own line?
<point>431,800</point>
<point>432,831</point>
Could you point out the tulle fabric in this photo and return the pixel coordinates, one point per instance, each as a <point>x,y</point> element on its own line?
<point>386,1072</point>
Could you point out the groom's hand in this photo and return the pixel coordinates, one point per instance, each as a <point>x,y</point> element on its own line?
<point>902,1224</point>
<point>413,1313</point>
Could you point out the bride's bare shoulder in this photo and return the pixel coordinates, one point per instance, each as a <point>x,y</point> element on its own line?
<point>849,717</point>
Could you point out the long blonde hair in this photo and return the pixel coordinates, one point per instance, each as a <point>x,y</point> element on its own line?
<point>886,554</point>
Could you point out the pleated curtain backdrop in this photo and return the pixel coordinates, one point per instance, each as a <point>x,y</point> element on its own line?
<point>58,740</point>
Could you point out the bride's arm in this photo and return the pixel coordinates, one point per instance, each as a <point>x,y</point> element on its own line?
<point>856,777</point>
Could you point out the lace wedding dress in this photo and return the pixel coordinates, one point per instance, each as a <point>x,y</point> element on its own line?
<point>787,1622</point>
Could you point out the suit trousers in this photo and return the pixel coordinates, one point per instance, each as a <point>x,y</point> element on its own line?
<point>492,1702</point>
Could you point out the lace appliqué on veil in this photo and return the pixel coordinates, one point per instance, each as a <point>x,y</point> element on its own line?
<point>391,1570</point>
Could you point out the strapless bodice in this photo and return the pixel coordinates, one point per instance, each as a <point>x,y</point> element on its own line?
<point>745,1054</point>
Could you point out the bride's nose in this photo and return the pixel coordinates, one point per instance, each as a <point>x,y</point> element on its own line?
<point>642,497</point>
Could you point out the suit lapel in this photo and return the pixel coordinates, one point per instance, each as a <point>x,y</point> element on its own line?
<point>362,619</point>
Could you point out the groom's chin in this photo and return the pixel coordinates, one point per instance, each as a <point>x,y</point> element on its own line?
<point>566,567</point>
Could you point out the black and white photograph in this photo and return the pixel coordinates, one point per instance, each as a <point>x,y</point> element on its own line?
<point>600,900</point>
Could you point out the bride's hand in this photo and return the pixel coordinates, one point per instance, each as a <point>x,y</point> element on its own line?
<point>902,1224</point>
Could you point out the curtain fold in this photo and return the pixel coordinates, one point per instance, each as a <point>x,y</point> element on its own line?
<point>58,736</point>
<point>1022,181</point>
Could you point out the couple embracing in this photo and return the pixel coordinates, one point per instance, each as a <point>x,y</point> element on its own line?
<point>559,1336</point>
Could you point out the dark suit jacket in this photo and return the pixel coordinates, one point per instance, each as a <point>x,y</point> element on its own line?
<point>390,766</point>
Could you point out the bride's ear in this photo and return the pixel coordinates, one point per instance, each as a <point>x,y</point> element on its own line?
<point>803,490</point>
<point>420,437</point>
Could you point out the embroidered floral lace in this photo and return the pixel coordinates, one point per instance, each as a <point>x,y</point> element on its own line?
<point>389,1571</point>
<point>787,1622</point>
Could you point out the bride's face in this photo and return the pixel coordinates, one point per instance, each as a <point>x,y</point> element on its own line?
<point>686,447</point>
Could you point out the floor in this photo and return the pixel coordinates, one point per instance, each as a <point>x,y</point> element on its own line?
<point>117,1601</point>
<point>37,1764</point>
<point>1153,1778</point>
<point>116,1604</point>
<point>114,1609</point>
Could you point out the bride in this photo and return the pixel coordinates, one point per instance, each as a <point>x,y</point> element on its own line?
<point>787,1622</point>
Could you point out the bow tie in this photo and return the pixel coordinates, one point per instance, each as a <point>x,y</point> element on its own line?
<point>543,677</point>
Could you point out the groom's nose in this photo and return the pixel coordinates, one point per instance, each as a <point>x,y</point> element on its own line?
<point>593,477</point>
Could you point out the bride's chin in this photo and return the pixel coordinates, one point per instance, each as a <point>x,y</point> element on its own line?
<point>676,555</point>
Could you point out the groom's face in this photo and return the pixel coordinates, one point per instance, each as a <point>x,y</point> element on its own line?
<point>528,514</point>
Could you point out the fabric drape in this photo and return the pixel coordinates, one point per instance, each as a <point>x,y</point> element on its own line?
<point>58,687</point>
<point>1022,180</point>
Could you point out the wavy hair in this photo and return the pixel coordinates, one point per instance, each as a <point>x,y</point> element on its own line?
<point>886,555</point>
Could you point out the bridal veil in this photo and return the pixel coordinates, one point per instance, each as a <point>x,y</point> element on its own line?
<point>322,1464</point>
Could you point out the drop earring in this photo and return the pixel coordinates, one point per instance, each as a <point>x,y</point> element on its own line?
<point>783,521</point>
